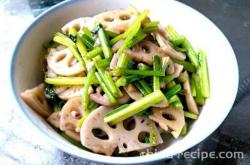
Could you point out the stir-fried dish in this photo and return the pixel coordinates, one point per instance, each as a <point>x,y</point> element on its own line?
<point>116,82</point>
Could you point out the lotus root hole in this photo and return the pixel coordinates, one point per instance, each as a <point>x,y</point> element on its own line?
<point>60,57</point>
<point>112,125</point>
<point>145,49</point>
<point>71,62</point>
<point>129,124</point>
<point>99,133</point>
<point>168,116</point>
<point>76,114</point>
<point>124,145</point>
<point>108,19</point>
<point>142,135</point>
<point>124,17</point>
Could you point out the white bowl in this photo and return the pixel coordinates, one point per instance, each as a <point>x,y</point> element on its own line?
<point>27,61</point>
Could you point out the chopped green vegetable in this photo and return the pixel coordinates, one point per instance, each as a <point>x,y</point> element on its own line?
<point>192,85</point>
<point>116,110</point>
<point>72,34</point>
<point>136,107</point>
<point>205,86</point>
<point>111,34</point>
<point>89,42</point>
<point>93,53</point>
<point>104,43</point>
<point>196,77</point>
<point>167,78</point>
<point>49,91</point>
<point>157,67</point>
<point>142,66</point>
<point>105,88</point>
<point>139,72</point>
<point>172,91</point>
<point>145,86</point>
<point>86,31</point>
<point>123,61</point>
<point>63,39</point>
<point>184,130</point>
<point>67,80</point>
<point>150,27</point>
<point>190,115</point>
<point>177,40</point>
<point>87,84</point>
<point>188,66</point>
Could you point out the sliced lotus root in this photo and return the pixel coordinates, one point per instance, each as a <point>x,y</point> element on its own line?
<point>54,119</point>
<point>191,104</point>
<point>64,63</point>
<point>167,48</point>
<point>116,21</point>
<point>68,92</point>
<point>105,138</point>
<point>71,114</point>
<point>79,23</point>
<point>170,119</point>
<point>133,92</point>
<point>144,52</point>
<point>35,98</point>
<point>102,99</point>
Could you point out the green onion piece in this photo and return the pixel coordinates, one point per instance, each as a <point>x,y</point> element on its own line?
<point>150,27</point>
<point>88,82</point>
<point>140,72</point>
<point>177,105</point>
<point>172,91</point>
<point>77,55</point>
<point>156,67</point>
<point>190,115</point>
<point>105,88</point>
<point>142,66</point>
<point>89,42</point>
<point>177,40</point>
<point>153,136</point>
<point>136,107</point>
<point>67,80</point>
<point>192,85</point>
<point>205,86</point>
<point>104,43</point>
<point>184,130</point>
<point>93,53</point>
<point>165,63</point>
<point>116,110</point>
<point>188,66</point>
<point>173,99</point>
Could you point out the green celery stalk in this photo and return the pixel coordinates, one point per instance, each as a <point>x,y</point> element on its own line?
<point>140,88</point>
<point>156,67</point>
<point>93,53</point>
<point>105,88</point>
<point>172,91</point>
<point>192,85</point>
<point>188,66</point>
<point>177,40</point>
<point>140,72</point>
<point>104,43</point>
<point>196,77</point>
<point>63,39</point>
<point>184,130</point>
<point>88,82</point>
<point>205,86</point>
<point>67,80</point>
<point>116,110</point>
<point>145,86</point>
<point>150,27</point>
<point>123,61</point>
<point>190,115</point>
<point>136,107</point>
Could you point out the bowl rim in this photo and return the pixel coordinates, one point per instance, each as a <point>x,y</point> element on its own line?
<point>93,156</point>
